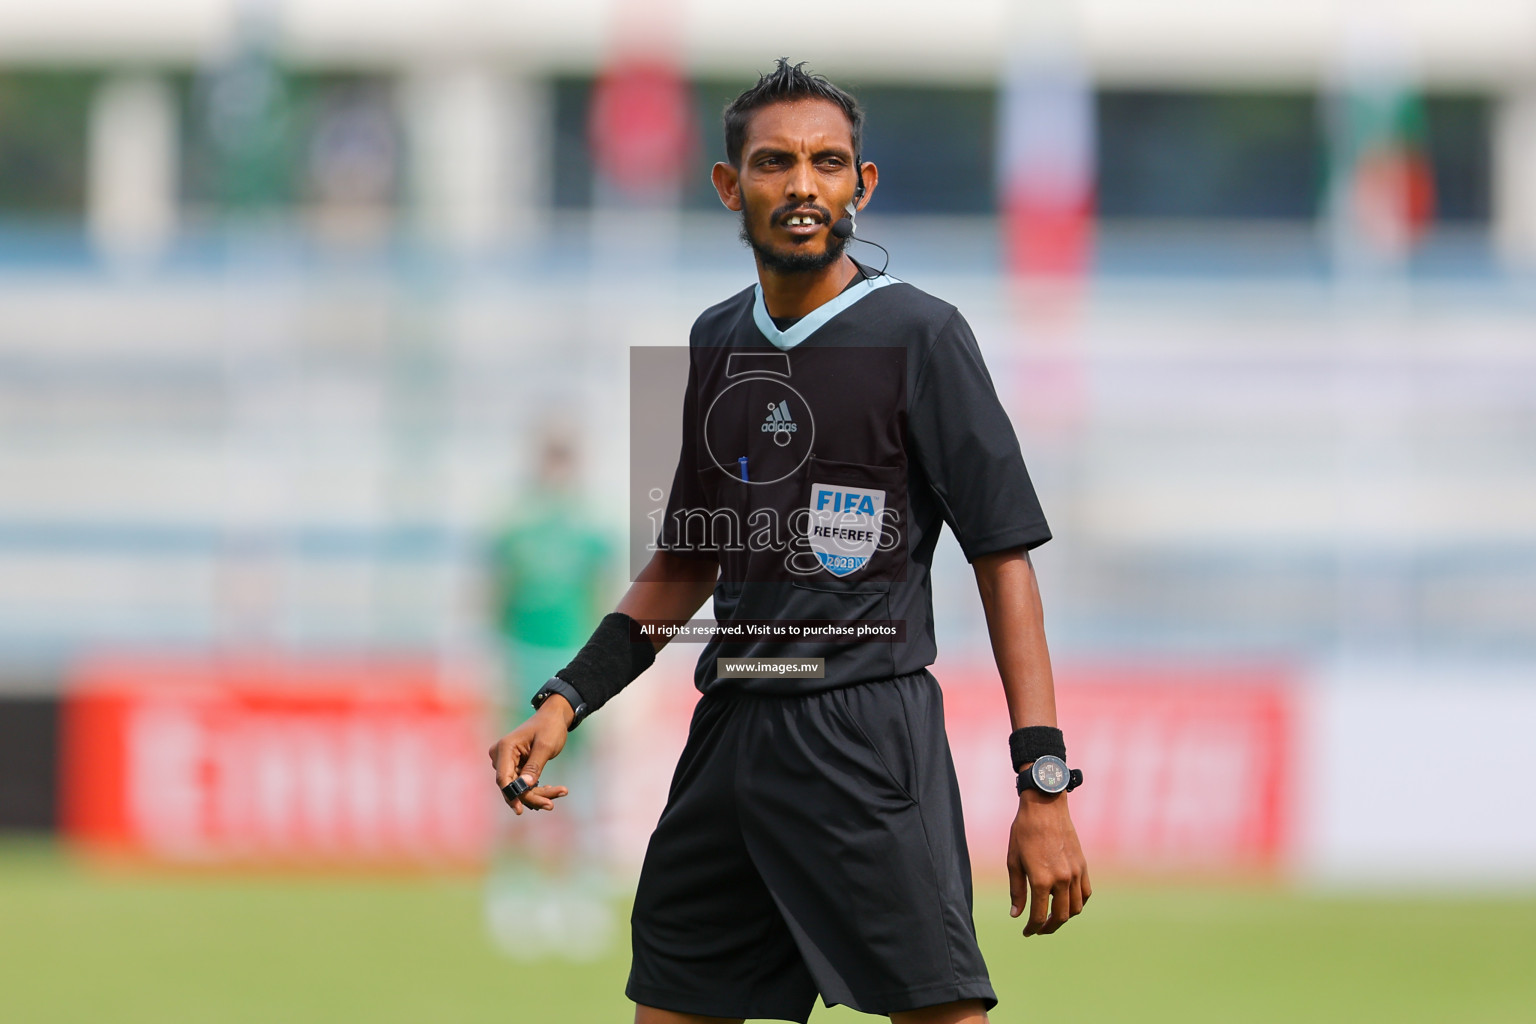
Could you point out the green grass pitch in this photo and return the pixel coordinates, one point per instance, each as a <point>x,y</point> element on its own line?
<point>79,945</point>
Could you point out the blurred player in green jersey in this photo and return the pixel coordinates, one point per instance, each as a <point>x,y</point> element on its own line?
<point>548,571</point>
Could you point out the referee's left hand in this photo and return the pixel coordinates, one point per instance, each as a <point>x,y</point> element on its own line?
<point>1046,868</point>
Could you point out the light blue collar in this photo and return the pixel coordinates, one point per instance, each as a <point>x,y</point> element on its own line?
<point>807,325</point>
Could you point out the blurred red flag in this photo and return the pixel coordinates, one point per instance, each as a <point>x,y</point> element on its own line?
<point>1047,169</point>
<point>641,126</point>
<point>1383,182</point>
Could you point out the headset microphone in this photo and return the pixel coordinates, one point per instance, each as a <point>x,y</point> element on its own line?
<point>843,227</point>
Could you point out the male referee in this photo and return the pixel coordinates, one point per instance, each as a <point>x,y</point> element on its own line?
<point>834,420</point>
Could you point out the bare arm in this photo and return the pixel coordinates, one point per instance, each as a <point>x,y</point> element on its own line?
<point>1016,625</point>
<point>669,589</point>
<point>1045,859</point>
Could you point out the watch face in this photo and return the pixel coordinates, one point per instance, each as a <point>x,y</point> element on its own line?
<point>1050,774</point>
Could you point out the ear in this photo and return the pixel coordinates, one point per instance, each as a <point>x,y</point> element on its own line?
<point>727,182</point>
<point>871,176</point>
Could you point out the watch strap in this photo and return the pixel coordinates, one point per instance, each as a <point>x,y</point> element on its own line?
<point>566,690</point>
<point>1026,781</point>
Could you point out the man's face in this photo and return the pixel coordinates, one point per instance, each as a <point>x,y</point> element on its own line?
<point>797,177</point>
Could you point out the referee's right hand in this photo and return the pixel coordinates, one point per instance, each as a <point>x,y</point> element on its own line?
<point>527,749</point>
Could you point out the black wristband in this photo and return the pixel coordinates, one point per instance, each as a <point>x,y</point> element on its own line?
<point>1033,741</point>
<point>609,662</point>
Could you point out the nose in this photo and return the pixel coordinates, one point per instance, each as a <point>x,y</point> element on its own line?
<point>801,183</point>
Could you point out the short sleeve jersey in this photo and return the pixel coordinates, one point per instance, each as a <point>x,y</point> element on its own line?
<point>818,464</point>
<point>547,573</point>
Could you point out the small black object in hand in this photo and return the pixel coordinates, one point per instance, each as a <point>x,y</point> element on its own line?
<point>516,788</point>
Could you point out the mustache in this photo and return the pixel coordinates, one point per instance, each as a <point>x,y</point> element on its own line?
<point>792,208</point>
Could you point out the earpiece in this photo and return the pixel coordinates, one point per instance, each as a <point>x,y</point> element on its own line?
<point>844,226</point>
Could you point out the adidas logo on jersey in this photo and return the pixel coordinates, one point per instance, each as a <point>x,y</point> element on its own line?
<point>779,420</point>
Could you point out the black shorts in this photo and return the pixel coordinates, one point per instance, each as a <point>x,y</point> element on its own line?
<point>810,844</point>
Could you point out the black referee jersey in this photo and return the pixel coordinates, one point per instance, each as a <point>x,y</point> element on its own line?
<point>818,463</point>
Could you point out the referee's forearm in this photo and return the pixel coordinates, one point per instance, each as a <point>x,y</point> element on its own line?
<point>1010,595</point>
<point>669,590</point>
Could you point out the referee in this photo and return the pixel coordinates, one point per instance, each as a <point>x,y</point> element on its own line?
<point>835,418</point>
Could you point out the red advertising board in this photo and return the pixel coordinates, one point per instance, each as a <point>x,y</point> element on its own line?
<point>252,760</point>
<point>263,760</point>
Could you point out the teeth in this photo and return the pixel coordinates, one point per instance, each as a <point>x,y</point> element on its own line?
<point>796,221</point>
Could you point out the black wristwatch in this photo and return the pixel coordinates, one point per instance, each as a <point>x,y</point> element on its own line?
<point>566,690</point>
<point>1049,775</point>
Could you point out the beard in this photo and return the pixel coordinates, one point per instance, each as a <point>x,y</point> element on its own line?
<point>795,261</point>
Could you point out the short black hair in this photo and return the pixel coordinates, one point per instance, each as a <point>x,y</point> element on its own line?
<point>784,84</point>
